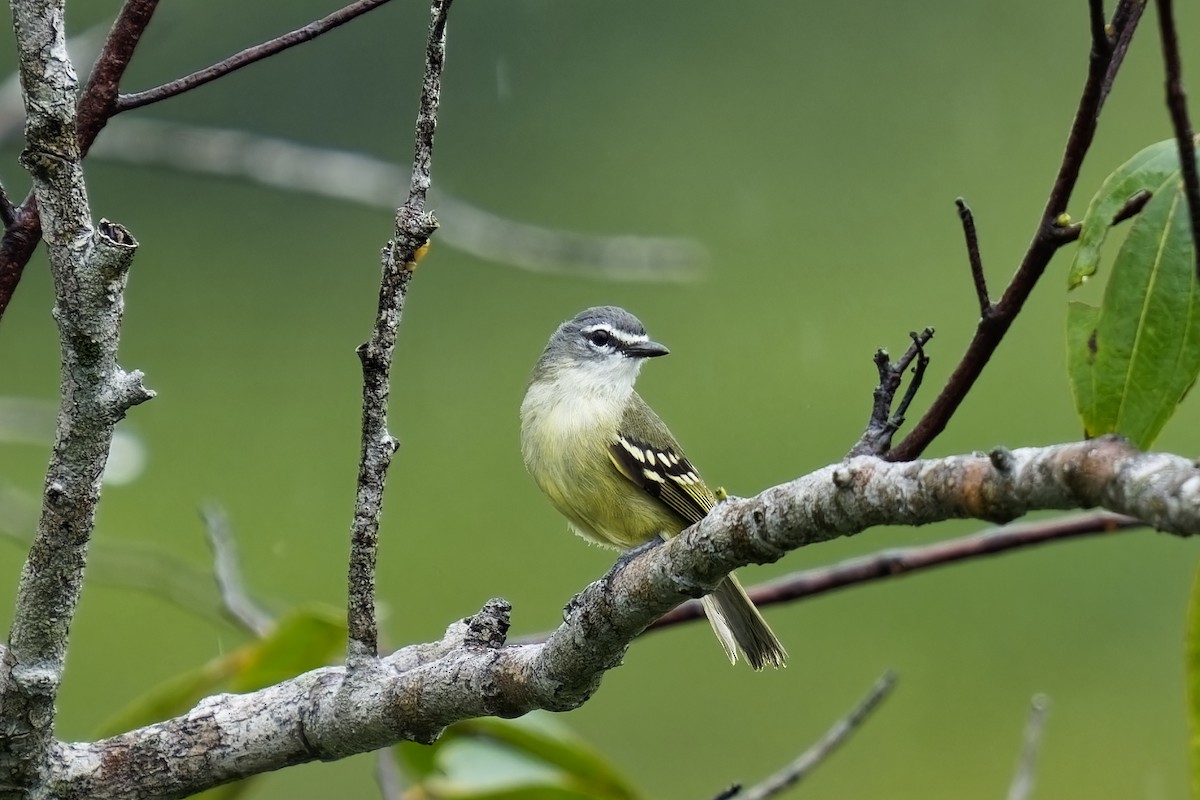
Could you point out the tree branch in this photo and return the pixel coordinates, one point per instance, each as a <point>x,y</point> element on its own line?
<point>247,57</point>
<point>1177,105</point>
<point>236,601</point>
<point>410,238</point>
<point>420,689</point>
<point>89,268</point>
<point>373,182</point>
<point>22,234</point>
<point>1108,53</point>
<point>973,257</point>
<point>1022,783</point>
<point>876,438</point>
<point>814,756</point>
<point>897,562</point>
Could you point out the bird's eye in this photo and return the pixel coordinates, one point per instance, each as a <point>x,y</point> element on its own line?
<point>600,337</point>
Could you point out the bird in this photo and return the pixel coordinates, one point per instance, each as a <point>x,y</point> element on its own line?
<point>609,464</point>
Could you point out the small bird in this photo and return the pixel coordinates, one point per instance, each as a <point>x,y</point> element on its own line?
<point>610,466</point>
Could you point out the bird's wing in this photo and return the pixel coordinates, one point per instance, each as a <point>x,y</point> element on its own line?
<point>659,467</point>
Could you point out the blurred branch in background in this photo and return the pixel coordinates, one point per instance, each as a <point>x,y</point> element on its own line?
<point>239,607</point>
<point>1110,42</point>
<point>1022,784</point>
<point>811,758</point>
<point>373,182</point>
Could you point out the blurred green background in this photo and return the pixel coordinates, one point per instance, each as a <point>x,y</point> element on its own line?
<point>816,151</point>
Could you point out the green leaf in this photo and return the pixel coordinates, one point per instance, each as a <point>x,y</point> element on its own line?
<point>1146,171</point>
<point>1132,360</point>
<point>303,639</point>
<point>172,697</point>
<point>496,759</point>
<point>1193,680</point>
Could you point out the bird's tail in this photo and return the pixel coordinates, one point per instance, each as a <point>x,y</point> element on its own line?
<point>739,626</point>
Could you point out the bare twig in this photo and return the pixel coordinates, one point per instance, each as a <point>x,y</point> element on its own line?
<point>248,56</point>
<point>239,607</point>
<point>1177,105</point>
<point>883,424</point>
<point>1023,779</point>
<point>22,235</point>
<point>1133,206</point>
<point>410,238</point>
<point>896,562</point>
<point>99,100</point>
<point>973,256</point>
<point>387,775</point>
<point>811,758</point>
<point>1107,55</point>
<point>359,178</point>
<point>8,213</point>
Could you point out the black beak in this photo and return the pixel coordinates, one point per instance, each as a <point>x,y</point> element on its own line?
<point>645,350</point>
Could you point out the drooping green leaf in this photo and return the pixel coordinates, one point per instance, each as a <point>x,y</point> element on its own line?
<point>1146,171</point>
<point>304,639</point>
<point>172,697</point>
<point>1193,680</point>
<point>496,759</point>
<point>1132,360</point>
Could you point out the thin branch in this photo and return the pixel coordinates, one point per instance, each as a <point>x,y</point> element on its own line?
<point>410,238</point>
<point>1100,41</point>
<point>898,562</point>
<point>883,424</point>
<point>1177,105</point>
<point>1107,55</point>
<point>246,57</point>
<point>99,99</point>
<point>814,756</point>
<point>387,775</point>
<point>22,235</point>
<point>239,607</point>
<point>1022,784</point>
<point>373,182</point>
<point>1133,206</point>
<point>8,213</point>
<point>976,260</point>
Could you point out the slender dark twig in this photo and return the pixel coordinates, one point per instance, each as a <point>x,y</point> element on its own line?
<point>7,212</point>
<point>22,234</point>
<point>1100,41</point>
<point>99,99</point>
<point>1177,105</point>
<point>1022,783</point>
<point>1108,53</point>
<point>1133,206</point>
<point>883,424</point>
<point>977,276</point>
<point>410,238</point>
<point>248,56</point>
<point>903,561</point>
<point>234,597</point>
<point>814,756</point>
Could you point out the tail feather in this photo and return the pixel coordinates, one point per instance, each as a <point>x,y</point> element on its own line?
<point>739,626</point>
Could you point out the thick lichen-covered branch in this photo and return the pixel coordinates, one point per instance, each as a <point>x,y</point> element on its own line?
<point>332,713</point>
